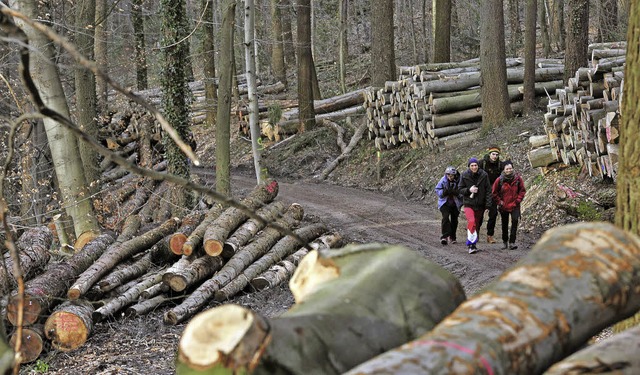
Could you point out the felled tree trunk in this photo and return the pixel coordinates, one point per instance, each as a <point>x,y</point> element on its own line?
<point>248,230</point>
<point>232,217</point>
<point>194,240</point>
<point>32,343</point>
<point>69,325</point>
<point>147,305</point>
<point>189,223</point>
<point>119,302</point>
<point>576,281</point>
<point>357,307</point>
<point>116,254</point>
<point>181,278</point>
<point>280,250</point>
<point>33,251</point>
<point>41,292</point>
<point>617,354</point>
<point>233,267</point>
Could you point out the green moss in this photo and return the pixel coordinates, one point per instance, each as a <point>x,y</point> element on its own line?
<point>587,211</point>
<point>274,113</point>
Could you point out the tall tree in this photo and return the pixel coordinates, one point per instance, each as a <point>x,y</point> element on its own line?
<point>556,25</point>
<point>287,34</point>
<point>85,86</point>
<point>250,63</point>
<point>175,92</point>
<point>62,142</point>
<point>515,35</point>
<point>530,56</point>
<point>306,68</point>
<point>343,46</point>
<point>140,45</point>
<point>223,119</point>
<point>628,179</point>
<point>495,97</point>
<point>608,21</point>
<point>543,20</point>
<point>208,64</point>
<point>101,50</point>
<point>441,31</point>
<point>277,47</point>
<point>383,58</point>
<point>576,54</point>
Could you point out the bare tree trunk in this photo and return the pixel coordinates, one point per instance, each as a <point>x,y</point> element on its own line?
<point>101,51</point>
<point>209,66</point>
<point>530,56</point>
<point>544,28</point>
<point>383,60</point>
<point>515,36</point>
<point>250,63</point>
<point>608,30</point>
<point>576,54</point>
<point>343,47</point>
<point>138,35</point>
<point>287,34</point>
<point>277,47</point>
<point>557,29</point>
<point>305,67</point>
<point>441,31</point>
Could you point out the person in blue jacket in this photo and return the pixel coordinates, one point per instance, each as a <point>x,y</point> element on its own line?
<point>449,203</point>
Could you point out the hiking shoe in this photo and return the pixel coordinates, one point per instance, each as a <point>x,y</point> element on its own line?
<point>452,240</point>
<point>472,249</point>
<point>443,241</point>
<point>490,239</point>
<point>513,246</point>
<point>505,246</point>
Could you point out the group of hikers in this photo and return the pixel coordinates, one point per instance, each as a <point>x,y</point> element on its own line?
<point>488,184</point>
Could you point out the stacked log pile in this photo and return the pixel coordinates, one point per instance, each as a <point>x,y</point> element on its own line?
<point>435,105</point>
<point>582,125</point>
<point>210,254</point>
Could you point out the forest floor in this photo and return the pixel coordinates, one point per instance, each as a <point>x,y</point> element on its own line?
<point>386,199</point>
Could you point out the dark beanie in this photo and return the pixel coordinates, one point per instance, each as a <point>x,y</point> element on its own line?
<point>471,161</point>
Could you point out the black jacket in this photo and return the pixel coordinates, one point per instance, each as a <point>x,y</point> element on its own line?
<point>493,169</point>
<point>481,199</point>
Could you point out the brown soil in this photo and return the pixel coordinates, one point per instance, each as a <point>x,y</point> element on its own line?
<point>387,199</point>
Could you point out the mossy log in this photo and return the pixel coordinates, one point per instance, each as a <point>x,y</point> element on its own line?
<point>248,230</point>
<point>576,281</point>
<point>115,254</point>
<point>234,266</point>
<point>357,309</point>
<point>69,325</point>
<point>42,291</point>
<point>231,218</point>
<point>32,343</point>
<point>617,354</point>
<point>33,254</point>
<point>280,250</point>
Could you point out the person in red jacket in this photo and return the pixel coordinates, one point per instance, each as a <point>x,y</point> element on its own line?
<point>508,191</point>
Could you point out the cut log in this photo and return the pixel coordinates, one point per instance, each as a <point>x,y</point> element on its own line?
<point>248,230</point>
<point>576,281</point>
<point>154,291</point>
<point>33,254</point>
<point>234,266</point>
<point>146,306</point>
<point>131,295</point>
<point>357,135</point>
<point>41,292</point>
<point>122,275</point>
<point>115,254</point>
<point>69,325</point>
<point>617,354</point>
<point>194,240</point>
<point>32,343</point>
<point>179,279</point>
<point>543,156</point>
<point>231,218</point>
<point>279,251</point>
<point>189,223</point>
<point>341,322</point>
<point>536,141</point>
<point>333,104</point>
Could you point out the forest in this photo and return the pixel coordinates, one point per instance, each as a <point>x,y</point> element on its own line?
<point>101,203</point>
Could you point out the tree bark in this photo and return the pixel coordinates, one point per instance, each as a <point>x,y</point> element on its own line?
<point>277,47</point>
<point>279,251</point>
<point>577,43</point>
<point>69,325</point>
<point>101,55</point>
<point>232,268</point>
<point>231,218</point>
<point>306,119</point>
<point>530,56</point>
<point>209,66</point>
<point>536,313</point>
<point>146,306</point>
<point>194,241</point>
<point>250,228</point>
<point>304,338</point>
<point>181,278</point>
<point>287,34</point>
<point>33,252</point>
<point>116,254</point>
<point>119,302</point>
<point>441,31</point>
<point>139,44</point>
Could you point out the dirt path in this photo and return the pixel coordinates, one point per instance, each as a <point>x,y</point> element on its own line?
<point>367,216</point>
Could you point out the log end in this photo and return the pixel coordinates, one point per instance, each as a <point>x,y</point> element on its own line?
<point>310,274</point>
<point>228,334</point>
<point>67,331</point>
<point>260,283</point>
<point>74,293</point>
<point>170,318</point>
<point>176,243</point>
<point>213,247</point>
<point>228,250</point>
<point>84,238</point>
<point>177,283</point>
<point>33,309</point>
<point>32,343</point>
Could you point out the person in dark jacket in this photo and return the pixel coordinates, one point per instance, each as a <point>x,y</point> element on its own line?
<point>449,203</point>
<point>493,166</point>
<point>508,191</point>
<point>476,192</point>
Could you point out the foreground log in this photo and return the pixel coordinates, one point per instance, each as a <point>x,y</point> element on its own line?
<point>233,267</point>
<point>33,252</point>
<point>232,217</point>
<point>116,254</point>
<point>32,343</point>
<point>576,281</point>
<point>69,325</point>
<point>325,335</point>
<point>280,250</point>
<point>7,355</point>
<point>248,230</point>
<point>42,291</point>
<point>617,354</point>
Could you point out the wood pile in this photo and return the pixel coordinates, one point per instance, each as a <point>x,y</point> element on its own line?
<point>432,104</point>
<point>210,254</point>
<point>582,125</point>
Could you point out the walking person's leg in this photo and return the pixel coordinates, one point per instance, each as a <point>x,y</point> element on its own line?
<point>491,223</point>
<point>472,233</point>
<point>515,219</point>
<point>504,220</point>
<point>445,226</point>
<point>454,224</point>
